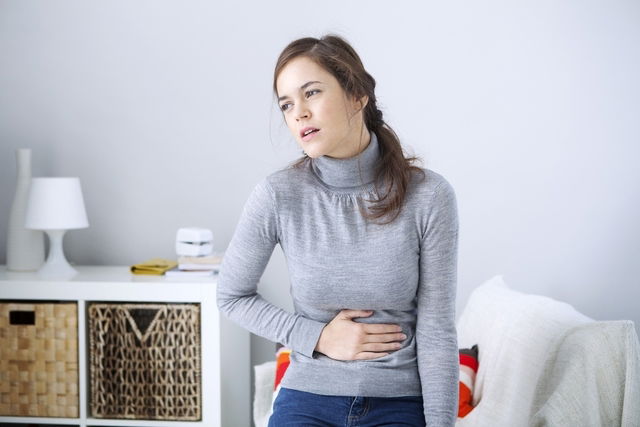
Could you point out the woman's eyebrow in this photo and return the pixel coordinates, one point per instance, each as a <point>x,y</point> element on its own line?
<point>303,87</point>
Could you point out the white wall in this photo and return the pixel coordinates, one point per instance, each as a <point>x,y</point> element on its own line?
<point>165,111</point>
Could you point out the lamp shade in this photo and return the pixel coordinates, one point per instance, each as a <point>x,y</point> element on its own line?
<point>55,204</point>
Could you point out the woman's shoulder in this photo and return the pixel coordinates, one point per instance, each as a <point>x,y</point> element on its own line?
<point>288,178</point>
<point>432,193</point>
<point>426,182</point>
<point>274,186</point>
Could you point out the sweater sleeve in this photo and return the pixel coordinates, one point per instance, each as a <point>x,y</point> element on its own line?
<point>242,267</point>
<point>436,336</point>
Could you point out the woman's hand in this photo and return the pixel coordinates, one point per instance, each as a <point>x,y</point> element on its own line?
<point>344,339</point>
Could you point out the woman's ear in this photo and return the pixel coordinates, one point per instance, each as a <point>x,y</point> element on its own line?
<point>359,104</point>
<point>364,101</point>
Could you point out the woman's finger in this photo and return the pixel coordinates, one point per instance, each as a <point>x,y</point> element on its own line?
<point>378,347</point>
<point>370,338</point>
<point>380,328</point>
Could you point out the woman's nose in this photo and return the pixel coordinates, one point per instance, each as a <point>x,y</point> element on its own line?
<point>302,113</point>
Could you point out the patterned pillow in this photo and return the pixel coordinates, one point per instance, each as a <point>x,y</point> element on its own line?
<point>468,370</point>
<point>282,363</point>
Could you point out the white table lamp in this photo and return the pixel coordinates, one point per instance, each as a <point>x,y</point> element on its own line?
<point>56,205</point>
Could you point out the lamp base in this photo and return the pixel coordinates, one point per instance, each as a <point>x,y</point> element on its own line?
<point>56,266</point>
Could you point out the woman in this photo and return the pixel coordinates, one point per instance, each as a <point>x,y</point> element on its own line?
<point>371,247</point>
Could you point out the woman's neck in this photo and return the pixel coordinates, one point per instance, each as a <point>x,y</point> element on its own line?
<point>356,147</point>
<point>353,171</point>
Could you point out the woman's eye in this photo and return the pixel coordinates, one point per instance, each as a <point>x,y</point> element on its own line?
<point>285,107</point>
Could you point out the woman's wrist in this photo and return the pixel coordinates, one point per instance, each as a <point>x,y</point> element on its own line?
<point>319,345</point>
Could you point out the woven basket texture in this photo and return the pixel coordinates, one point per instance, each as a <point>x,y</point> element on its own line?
<point>39,359</point>
<point>145,361</point>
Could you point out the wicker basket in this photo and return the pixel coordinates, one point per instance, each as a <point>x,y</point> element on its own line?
<point>145,361</point>
<point>39,359</point>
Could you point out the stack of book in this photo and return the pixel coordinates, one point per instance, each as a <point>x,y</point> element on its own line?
<point>197,265</point>
<point>194,247</point>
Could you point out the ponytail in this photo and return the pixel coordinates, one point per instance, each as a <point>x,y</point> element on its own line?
<point>394,170</point>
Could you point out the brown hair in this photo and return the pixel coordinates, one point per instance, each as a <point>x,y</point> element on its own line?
<point>336,55</point>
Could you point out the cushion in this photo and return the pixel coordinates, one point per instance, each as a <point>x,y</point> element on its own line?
<point>282,363</point>
<point>468,370</point>
<point>515,332</point>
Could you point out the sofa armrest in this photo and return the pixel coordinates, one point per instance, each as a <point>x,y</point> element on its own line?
<point>265,374</point>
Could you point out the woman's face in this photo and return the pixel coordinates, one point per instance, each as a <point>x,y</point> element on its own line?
<point>311,99</point>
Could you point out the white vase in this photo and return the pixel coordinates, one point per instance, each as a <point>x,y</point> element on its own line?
<point>25,247</point>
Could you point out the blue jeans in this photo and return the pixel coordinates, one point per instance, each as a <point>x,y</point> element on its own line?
<point>300,408</point>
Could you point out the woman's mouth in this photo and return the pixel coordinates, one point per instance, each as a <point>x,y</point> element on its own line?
<point>308,133</point>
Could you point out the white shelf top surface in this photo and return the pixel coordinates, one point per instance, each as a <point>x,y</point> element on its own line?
<point>101,273</point>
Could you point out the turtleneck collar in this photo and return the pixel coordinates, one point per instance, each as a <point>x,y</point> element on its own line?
<point>350,172</point>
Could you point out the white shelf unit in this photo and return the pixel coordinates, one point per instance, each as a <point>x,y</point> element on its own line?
<point>225,352</point>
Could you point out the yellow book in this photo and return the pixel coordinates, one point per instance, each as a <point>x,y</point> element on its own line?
<point>156,266</point>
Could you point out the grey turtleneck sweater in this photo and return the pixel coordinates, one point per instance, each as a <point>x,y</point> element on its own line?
<point>405,272</point>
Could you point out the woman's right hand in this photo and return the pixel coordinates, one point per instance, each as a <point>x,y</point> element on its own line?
<point>344,339</point>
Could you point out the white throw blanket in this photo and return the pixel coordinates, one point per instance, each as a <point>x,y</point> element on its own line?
<point>515,333</point>
<point>592,378</point>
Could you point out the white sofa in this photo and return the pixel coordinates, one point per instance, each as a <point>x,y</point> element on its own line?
<point>541,363</point>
